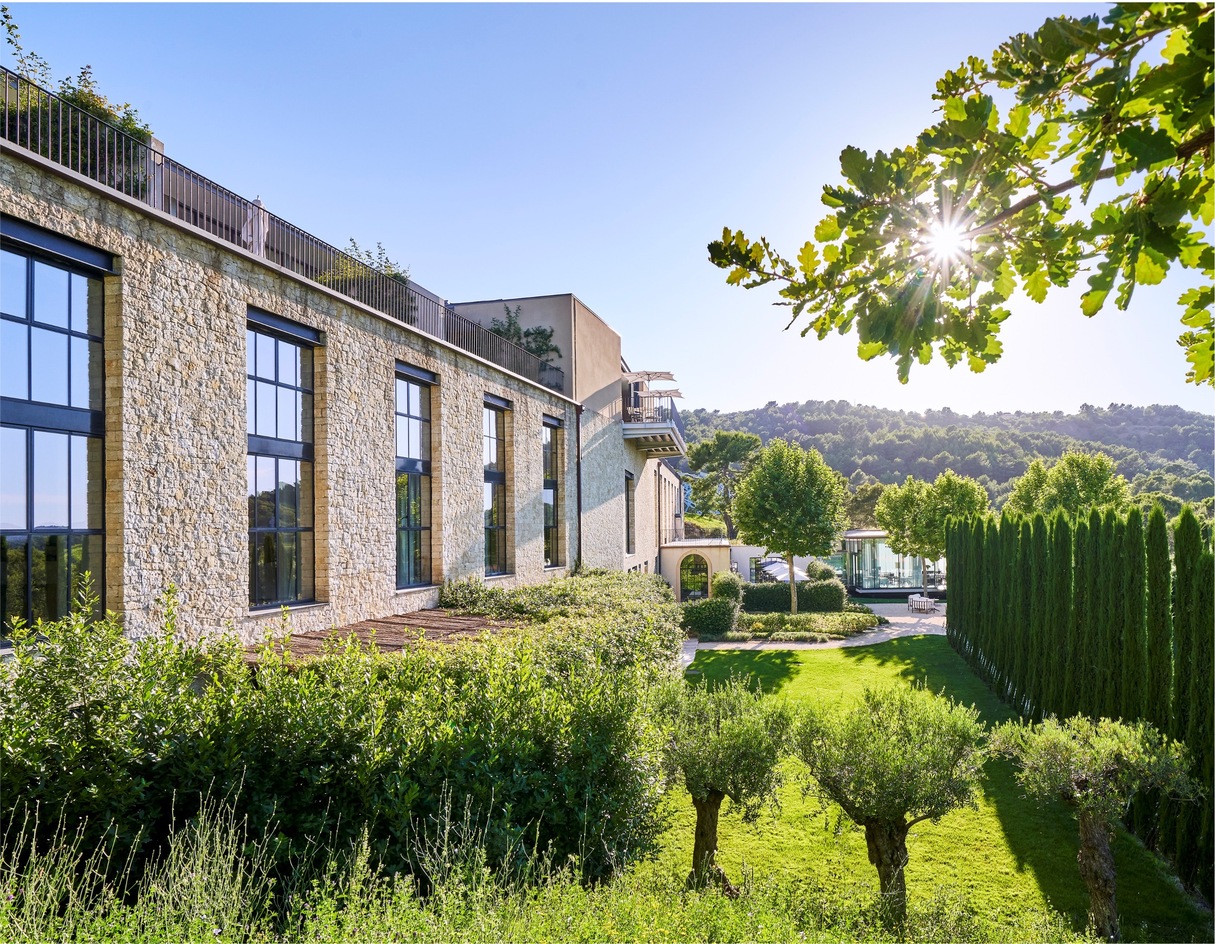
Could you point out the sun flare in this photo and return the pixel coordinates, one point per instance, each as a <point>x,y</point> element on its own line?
<point>945,241</point>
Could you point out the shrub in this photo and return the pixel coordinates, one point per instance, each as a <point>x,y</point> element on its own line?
<point>709,618</point>
<point>820,570</point>
<point>824,625</point>
<point>727,585</point>
<point>547,736</point>
<point>821,596</point>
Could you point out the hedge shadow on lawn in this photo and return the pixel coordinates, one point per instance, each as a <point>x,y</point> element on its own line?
<point>1042,838</point>
<point>771,668</point>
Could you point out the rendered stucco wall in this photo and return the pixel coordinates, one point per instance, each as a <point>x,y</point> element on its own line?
<point>175,427</point>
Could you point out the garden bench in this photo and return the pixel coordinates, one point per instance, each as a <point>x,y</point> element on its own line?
<point>920,604</point>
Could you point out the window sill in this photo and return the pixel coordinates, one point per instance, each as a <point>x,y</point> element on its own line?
<point>548,567</point>
<point>489,577</point>
<point>263,611</point>
<point>410,591</point>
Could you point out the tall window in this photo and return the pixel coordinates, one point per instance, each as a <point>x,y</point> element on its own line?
<point>630,514</point>
<point>413,478</point>
<point>551,460</point>
<point>51,459</point>
<point>279,414</point>
<point>494,451</point>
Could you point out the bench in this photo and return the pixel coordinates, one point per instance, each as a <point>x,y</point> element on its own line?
<point>920,604</point>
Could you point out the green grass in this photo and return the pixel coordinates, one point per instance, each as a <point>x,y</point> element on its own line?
<point>1007,858</point>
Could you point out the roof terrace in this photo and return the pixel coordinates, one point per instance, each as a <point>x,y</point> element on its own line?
<point>43,124</point>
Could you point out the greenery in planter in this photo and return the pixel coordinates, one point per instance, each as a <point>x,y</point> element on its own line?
<point>537,341</point>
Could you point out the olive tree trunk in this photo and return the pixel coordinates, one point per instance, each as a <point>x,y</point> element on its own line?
<point>887,845</point>
<point>1097,869</point>
<point>704,850</point>
<point>792,586</point>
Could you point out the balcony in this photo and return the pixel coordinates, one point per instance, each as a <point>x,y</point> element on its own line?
<point>43,124</point>
<point>652,423</point>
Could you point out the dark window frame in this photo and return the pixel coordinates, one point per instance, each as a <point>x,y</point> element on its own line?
<point>300,451</point>
<point>417,472</point>
<point>30,417</point>
<point>497,560</point>
<point>630,513</point>
<point>551,430</point>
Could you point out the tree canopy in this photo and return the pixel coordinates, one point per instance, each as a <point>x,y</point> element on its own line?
<point>721,463</point>
<point>1076,483</point>
<point>926,244</point>
<point>791,502</point>
<point>914,513</point>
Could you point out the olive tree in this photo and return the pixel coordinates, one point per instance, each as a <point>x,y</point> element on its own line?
<point>898,758</point>
<point>1095,767</point>
<point>724,741</point>
<point>791,502</point>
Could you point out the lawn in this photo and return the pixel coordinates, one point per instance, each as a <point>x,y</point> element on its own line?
<point>1006,858</point>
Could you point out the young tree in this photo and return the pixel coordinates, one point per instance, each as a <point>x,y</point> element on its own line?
<point>723,742</point>
<point>721,461</point>
<point>926,244</point>
<point>914,513</point>
<point>1095,767</point>
<point>898,758</point>
<point>1078,482</point>
<point>790,502</point>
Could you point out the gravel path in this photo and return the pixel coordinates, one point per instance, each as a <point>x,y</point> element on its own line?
<point>902,623</point>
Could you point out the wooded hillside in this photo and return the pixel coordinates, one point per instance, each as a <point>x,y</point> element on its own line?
<point>1164,450</point>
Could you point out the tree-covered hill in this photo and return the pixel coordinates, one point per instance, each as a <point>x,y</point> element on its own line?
<point>1160,449</point>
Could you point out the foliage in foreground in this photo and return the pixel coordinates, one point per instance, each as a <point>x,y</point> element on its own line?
<point>927,243</point>
<point>209,888</point>
<point>550,740</point>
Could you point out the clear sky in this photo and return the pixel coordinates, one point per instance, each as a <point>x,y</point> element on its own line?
<point>506,150</point>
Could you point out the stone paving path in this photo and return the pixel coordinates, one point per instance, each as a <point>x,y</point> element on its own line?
<point>902,623</point>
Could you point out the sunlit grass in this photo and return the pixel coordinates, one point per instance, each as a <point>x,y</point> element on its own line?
<point>1006,858</point>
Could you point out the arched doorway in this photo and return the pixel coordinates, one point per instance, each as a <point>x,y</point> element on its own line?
<point>693,578</point>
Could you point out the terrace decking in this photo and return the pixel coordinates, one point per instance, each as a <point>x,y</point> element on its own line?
<point>390,634</point>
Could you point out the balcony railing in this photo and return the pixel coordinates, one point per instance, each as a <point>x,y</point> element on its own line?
<point>44,124</point>
<point>644,408</point>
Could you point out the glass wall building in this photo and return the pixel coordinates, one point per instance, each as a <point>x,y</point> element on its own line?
<point>870,564</point>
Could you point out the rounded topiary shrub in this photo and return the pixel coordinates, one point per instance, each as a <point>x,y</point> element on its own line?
<point>821,596</point>
<point>712,617</point>
<point>819,570</point>
<point>727,586</point>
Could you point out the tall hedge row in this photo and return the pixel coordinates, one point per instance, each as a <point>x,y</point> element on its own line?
<point>1096,618</point>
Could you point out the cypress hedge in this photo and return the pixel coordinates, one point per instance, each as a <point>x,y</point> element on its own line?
<point>1087,619</point>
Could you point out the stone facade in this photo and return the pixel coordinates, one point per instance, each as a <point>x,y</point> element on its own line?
<point>175,428</point>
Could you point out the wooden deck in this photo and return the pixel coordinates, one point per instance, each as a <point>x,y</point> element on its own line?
<point>391,634</point>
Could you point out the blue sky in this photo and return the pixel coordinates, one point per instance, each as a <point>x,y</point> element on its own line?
<point>502,150</point>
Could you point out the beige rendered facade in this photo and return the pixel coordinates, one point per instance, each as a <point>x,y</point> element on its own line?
<point>258,438</point>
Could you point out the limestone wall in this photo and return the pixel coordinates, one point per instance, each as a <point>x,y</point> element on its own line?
<point>175,441</point>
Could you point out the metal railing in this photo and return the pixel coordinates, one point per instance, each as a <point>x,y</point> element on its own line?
<point>651,408</point>
<point>47,125</point>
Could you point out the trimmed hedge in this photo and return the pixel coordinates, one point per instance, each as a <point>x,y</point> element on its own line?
<point>712,617</point>
<point>813,596</point>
